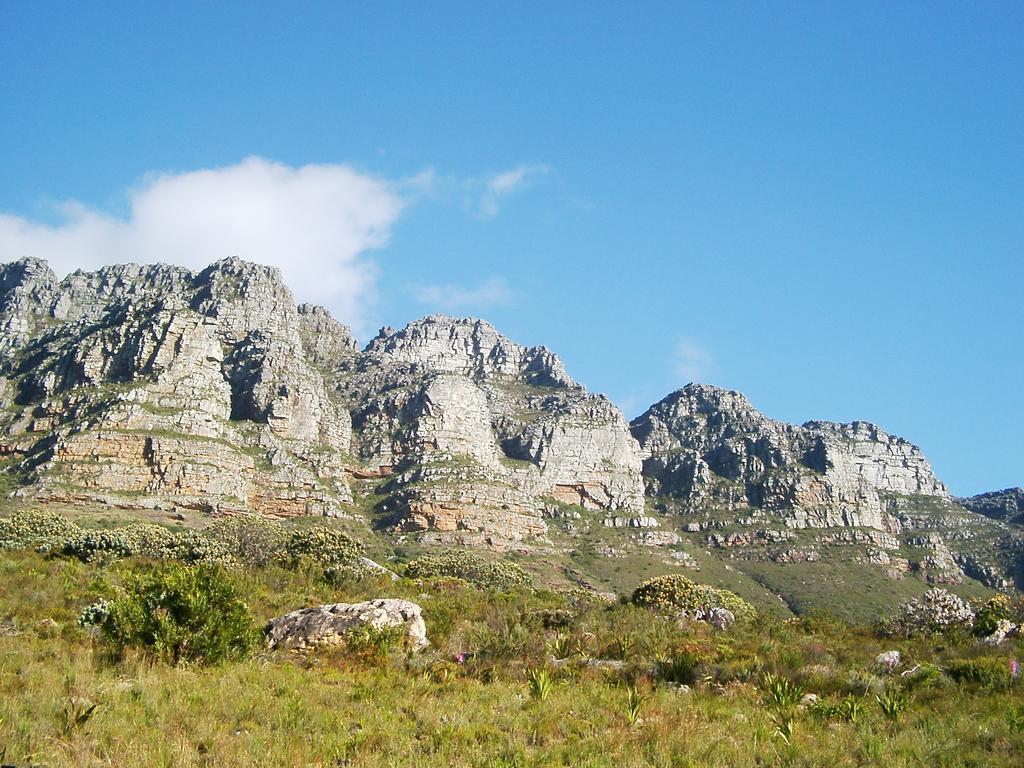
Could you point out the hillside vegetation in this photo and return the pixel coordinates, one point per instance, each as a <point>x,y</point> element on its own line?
<point>516,675</point>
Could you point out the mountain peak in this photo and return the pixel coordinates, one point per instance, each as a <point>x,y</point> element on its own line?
<point>466,345</point>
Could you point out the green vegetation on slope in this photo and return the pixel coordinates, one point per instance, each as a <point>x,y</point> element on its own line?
<point>488,691</point>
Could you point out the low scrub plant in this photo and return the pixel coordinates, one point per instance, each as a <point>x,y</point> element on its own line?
<point>252,540</point>
<point>135,540</point>
<point>676,594</point>
<point>337,553</point>
<point>785,726</point>
<point>471,568</point>
<point>993,673</point>
<point>540,683</point>
<point>197,547</point>
<point>36,529</point>
<point>678,666</point>
<point>893,703</point>
<point>77,711</point>
<point>178,613</point>
<point>560,646</point>
<point>634,704</point>
<point>937,612</point>
<point>998,608</point>
<point>1015,718</point>
<point>374,643</point>
<point>780,692</point>
<point>849,709</point>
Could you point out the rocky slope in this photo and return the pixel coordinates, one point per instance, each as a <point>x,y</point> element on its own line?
<point>154,386</point>
<point>160,388</point>
<point>753,484</point>
<point>1007,504</point>
<point>484,436</point>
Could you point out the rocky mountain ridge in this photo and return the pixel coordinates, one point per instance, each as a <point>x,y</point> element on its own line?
<point>155,387</point>
<point>1007,504</point>
<point>148,386</point>
<point>703,446</point>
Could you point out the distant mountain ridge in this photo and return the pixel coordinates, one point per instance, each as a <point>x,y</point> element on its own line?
<point>155,387</point>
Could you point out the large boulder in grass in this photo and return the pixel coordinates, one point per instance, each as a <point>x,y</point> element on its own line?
<point>331,625</point>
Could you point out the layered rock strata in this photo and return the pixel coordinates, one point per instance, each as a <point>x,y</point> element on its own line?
<point>153,386</point>
<point>711,457</point>
<point>156,386</point>
<point>1005,505</point>
<point>483,434</point>
<point>708,448</point>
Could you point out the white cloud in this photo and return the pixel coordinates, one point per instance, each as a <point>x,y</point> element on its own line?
<point>456,298</point>
<point>315,223</point>
<point>691,363</point>
<point>500,185</point>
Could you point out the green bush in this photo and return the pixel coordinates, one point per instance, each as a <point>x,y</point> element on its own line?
<point>374,643</point>
<point>36,529</point>
<point>179,613</point>
<point>135,540</point>
<point>471,568</point>
<point>679,666</point>
<point>337,553</point>
<point>993,673</point>
<point>251,540</point>
<point>997,608</point>
<point>675,593</point>
<point>848,709</point>
<point>197,547</point>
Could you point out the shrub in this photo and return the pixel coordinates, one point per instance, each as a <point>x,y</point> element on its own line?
<point>780,692</point>
<point>335,552</point>
<point>848,709</point>
<point>893,703</point>
<point>997,608</point>
<point>374,643</point>
<point>936,612</point>
<point>251,540</point>
<point>458,564</point>
<point>675,593</point>
<point>36,529</point>
<point>993,673</point>
<point>634,704</point>
<point>540,683</point>
<point>136,540</point>
<point>680,666</point>
<point>180,613</point>
<point>197,547</point>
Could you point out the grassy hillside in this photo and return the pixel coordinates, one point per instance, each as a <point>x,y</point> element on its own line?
<point>469,700</point>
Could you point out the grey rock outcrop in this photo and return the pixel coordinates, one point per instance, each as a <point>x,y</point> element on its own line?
<point>711,457</point>
<point>332,625</point>
<point>482,433</point>
<point>159,387</point>
<point>708,447</point>
<point>155,386</point>
<point>1005,505</point>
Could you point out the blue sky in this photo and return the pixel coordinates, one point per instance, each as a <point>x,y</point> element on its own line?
<point>821,204</point>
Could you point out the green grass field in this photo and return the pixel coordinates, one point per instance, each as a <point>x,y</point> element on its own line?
<point>386,708</point>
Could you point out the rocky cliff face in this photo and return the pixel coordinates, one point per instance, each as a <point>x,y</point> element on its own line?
<point>484,434</point>
<point>156,386</point>
<point>707,447</point>
<point>1005,505</point>
<point>149,386</point>
<point>748,484</point>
